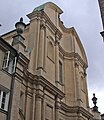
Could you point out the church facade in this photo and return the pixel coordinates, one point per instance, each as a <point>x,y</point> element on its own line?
<point>49,76</point>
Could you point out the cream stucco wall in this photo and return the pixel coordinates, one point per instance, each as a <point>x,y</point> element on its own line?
<point>47,42</point>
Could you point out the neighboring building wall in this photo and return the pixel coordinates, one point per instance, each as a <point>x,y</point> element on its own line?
<point>101,4</point>
<point>50,79</point>
<point>7,68</point>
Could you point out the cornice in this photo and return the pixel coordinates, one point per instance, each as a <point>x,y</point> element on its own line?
<point>73,55</point>
<point>40,80</point>
<point>23,60</point>
<point>76,109</point>
<point>50,87</point>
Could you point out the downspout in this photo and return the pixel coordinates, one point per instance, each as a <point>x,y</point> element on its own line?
<point>11,91</point>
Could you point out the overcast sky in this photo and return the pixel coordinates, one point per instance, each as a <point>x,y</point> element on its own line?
<point>84,15</point>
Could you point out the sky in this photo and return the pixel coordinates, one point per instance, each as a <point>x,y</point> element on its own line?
<point>84,16</point>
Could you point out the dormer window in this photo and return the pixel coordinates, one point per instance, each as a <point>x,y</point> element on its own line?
<point>9,62</point>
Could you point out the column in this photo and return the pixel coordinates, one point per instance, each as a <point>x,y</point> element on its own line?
<point>41,45</point>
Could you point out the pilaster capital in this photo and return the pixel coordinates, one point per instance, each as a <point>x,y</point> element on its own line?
<point>76,64</point>
<point>39,92</point>
<point>57,41</point>
<point>39,97</point>
<point>58,103</point>
<point>42,24</point>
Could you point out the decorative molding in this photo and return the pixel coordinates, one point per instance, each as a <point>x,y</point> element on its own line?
<point>77,110</point>
<point>73,55</point>
<point>50,87</point>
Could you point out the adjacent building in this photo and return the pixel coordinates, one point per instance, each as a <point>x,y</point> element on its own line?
<point>101,5</point>
<point>48,80</point>
<point>8,60</point>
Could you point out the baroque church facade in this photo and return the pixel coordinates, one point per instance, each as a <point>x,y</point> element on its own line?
<point>43,70</point>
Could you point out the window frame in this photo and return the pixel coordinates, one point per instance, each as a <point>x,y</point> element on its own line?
<point>9,62</point>
<point>4,100</point>
<point>60,72</point>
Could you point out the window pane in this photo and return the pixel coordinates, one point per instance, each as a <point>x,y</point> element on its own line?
<point>2,105</point>
<point>4,94</point>
<point>0,93</point>
<point>6,59</point>
<point>9,62</point>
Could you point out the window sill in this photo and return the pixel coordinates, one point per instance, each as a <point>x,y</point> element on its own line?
<point>7,72</point>
<point>3,111</point>
<point>59,83</point>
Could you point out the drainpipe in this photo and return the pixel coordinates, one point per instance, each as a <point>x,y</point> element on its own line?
<point>11,91</point>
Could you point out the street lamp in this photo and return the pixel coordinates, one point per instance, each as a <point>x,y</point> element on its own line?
<point>18,39</point>
<point>20,26</point>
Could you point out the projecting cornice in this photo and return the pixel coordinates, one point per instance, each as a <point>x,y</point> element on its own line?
<point>74,34</point>
<point>50,87</point>
<point>67,55</point>
<point>76,109</point>
<point>40,80</point>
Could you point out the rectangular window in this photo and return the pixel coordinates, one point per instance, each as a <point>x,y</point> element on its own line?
<point>60,71</point>
<point>4,98</point>
<point>9,62</point>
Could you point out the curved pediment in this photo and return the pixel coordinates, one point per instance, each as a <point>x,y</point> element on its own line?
<point>72,42</point>
<point>78,45</point>
<point>50,5</point>
<point>52,10</point>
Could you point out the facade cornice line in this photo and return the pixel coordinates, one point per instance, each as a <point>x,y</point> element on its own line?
<point>73,55</point>
<point>40,80</point>
<point>50,87</point>
<point>76,109</point>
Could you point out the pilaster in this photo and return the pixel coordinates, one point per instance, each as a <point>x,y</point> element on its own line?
<point>39,98</point>
<point>56,59</point>
<point>41,45</point>
<point>33,43</point>
<point>33,104</point>
<point>28,109</point>
<point>57,112</point>
<point>77,83</point>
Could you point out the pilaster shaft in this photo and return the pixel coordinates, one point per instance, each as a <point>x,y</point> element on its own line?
<point>56,59</point>
<point>38,115</point>
<point>57,117</point>
<point>33,105</point>
<point>41,46</point>
<point>78,84</point>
